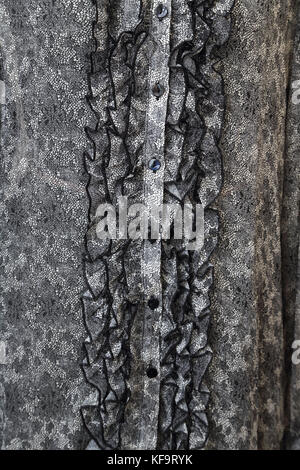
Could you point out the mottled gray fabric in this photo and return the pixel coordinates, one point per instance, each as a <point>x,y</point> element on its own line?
<point>45,56</point>
<point>79,124</point>
<point>247,374</point>
<point>290,245</point>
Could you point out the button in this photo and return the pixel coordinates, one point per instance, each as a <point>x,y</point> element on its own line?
<point>154,164</point>
<point>158,90</point>
<point>153,303</point>
<point>161,11</point>
<point>151,372</point>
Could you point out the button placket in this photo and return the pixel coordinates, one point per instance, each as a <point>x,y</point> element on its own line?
<point>153,197</point>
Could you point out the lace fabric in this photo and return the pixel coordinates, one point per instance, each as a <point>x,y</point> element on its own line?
<point>78,127</point>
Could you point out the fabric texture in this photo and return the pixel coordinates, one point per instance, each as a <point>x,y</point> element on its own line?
<point>145,344</point>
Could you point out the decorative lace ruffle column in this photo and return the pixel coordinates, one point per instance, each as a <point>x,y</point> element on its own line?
<point>114,313</point>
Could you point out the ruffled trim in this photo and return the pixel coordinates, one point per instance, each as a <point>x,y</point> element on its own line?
<point>193,174</point>
<point>195,177</point>
<point>109,304</point>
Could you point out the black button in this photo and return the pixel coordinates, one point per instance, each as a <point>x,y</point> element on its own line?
<point>161,11</point>
<point>154,164</point>
<point>153,303</point>
<point>158,90</point>
<point>152,372</point>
